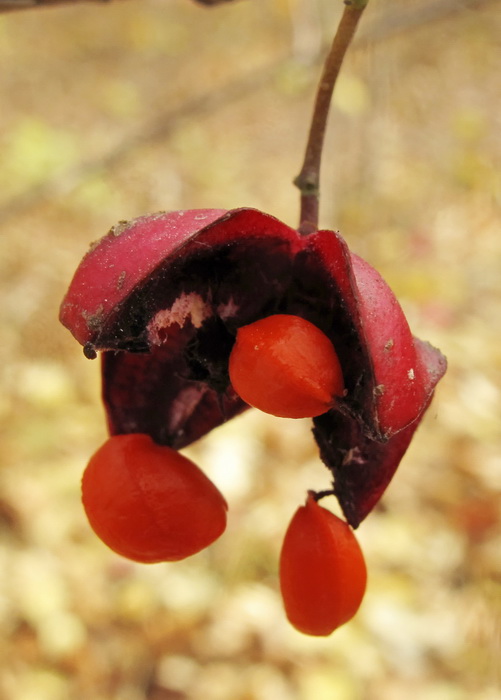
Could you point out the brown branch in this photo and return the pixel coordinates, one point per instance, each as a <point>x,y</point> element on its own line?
<point>13,5</point>
<point>393,22</point>
<point>308,180</point>
<point>159,128</point>
<point>405,19</point>
<point>391,25</point>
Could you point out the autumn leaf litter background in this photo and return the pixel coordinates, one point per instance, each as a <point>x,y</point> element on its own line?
<point>112,111</point>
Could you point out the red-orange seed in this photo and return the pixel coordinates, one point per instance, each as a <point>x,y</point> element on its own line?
<point>285,366</point>
<point>149,503</point>
<point>322,571</point>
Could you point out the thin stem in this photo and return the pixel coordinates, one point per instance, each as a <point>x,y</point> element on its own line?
<point>308,180</point>
<point>317,495</point>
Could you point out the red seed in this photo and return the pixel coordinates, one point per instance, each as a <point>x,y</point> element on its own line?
<point>286,366</point>
<point>322,571</point>
<point>149,503</point>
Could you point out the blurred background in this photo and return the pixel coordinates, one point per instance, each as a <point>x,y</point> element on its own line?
<point>109,111</point>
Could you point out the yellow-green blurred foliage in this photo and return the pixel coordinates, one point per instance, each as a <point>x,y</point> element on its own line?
<point>109,111</point>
